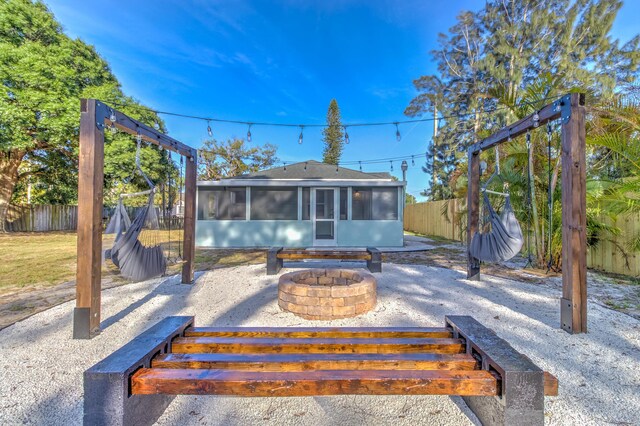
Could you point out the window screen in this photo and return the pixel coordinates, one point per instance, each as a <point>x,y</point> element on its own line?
<point>222,204</point>
<point>344,205</point>
<point>306,203</point>
<point>374,203</point>
<point>274,203</point>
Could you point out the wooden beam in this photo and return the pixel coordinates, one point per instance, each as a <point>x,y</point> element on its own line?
<point>315,345</point>
<point>310,362</point>
<point>343,332</point>
<point>573,311</point>
<point>129,125</point>
<point>473,211</point>
<point>550,112</point>
<point>86,316</point>
<point>312,383</point>
<point>189,249</point>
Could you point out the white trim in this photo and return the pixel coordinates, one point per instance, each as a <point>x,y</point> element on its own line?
<point>247,207</point>
<point>300,182</point>
<point>314,220</point>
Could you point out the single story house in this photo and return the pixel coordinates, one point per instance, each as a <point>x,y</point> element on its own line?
<point>306,204</point>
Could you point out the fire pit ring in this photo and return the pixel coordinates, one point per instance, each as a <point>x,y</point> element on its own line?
<point>326,294</point>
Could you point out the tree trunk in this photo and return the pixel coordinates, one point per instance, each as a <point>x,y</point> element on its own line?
<point>9,163</point>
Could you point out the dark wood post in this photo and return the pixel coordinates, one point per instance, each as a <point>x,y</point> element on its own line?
<point>473,211</point>
<point>189,219</point>
<point>86,315</point>
<point>573,312</point>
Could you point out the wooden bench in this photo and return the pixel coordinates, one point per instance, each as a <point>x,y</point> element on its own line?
<point>136,383</point>
<point>276,256</point>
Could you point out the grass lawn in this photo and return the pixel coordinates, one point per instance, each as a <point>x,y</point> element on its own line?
<point>46,259</point>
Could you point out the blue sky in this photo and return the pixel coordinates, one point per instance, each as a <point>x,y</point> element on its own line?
<point>280,61</point>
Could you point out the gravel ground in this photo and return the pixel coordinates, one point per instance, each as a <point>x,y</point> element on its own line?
<point>41,366</point>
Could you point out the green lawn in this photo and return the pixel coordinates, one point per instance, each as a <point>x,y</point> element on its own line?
<point>45,259</point>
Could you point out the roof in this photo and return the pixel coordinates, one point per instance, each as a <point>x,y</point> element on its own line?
<point>312,170</point>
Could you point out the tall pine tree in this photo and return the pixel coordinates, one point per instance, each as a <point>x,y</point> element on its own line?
<point>333,135</point>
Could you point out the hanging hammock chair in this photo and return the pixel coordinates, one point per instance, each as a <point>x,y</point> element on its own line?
<point>136,261</point>
<point>503,241</point>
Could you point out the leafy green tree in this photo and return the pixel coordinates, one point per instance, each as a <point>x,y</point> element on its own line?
<point>410,199</point>
<point>333,135</point>
<point>488,58</point>
<point>219,160</point>
<point>44,75</point>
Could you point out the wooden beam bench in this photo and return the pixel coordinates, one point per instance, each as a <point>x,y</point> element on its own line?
<point>276,256</point>
<point>136,383</point>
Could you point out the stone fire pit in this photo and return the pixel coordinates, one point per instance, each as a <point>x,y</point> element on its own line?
<point>326,294</point>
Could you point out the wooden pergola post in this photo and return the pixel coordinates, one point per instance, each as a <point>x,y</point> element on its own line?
<point>189,220</point>
<point>573,312</point>
<point>86,315</point>
<point>570,109</point>
<point>94,116</point>
<point>473,211</point>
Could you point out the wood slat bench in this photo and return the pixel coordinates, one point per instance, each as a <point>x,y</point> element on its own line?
<point>136,383</point>
<point>276,256</point>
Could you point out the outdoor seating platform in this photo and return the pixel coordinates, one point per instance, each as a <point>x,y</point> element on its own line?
<point>276,256</point>
<point>137,382</point>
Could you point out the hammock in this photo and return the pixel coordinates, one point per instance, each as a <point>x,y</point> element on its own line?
<point>504,240</point>
<point>119,222</point>
<point>136,261</point>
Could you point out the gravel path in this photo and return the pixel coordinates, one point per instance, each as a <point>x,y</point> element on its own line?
<point>41,366</point>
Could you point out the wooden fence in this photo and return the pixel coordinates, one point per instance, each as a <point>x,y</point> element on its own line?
<point>40,218</point>
<point>427,219</point>
<point>43,218</point>
<point>610,256</point>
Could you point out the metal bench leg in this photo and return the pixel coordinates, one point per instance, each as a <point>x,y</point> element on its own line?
<point>522,399</point>
<point>273,263</point>
<point>107,398</point>
<point>375,263</point>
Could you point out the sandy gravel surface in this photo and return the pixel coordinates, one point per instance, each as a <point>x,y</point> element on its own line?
<point>41,366</point>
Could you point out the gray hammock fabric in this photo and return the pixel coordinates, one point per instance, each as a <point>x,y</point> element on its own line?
<point>119,222</point>
<point>504,240</point>
<point>135,261</point>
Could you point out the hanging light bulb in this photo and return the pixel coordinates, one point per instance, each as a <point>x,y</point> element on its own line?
<point>391,162</point>
<point>305,165</point>
<point>113,120</point>
<point>346,136</point>
<point>536,119</point>
<point>300,137</point>
<point>398,137</point>
<point>209,131</point>
<point>509,137</point>
<point>413,162</point>
<point>360,162</point>
<point>336,168</point>
<point>285,166</point>
<point>249,133</point>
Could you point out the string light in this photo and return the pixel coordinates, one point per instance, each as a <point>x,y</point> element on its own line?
<point>209,131</point>
<point>300,137</point>
<point>249,133</point>
<point>391,162</point>
<point>346,136</point>
<point>398,137</point>
<point>509,137</point>
<point>305,165</point>
<point>285,166</point>
<point>113,120</point>
<point>336,168</point>
<point>413,162</point>
<point>360,162</point>
<point>536,119</point>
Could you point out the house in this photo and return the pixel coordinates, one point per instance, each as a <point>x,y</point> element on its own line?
<point>306,204</point>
